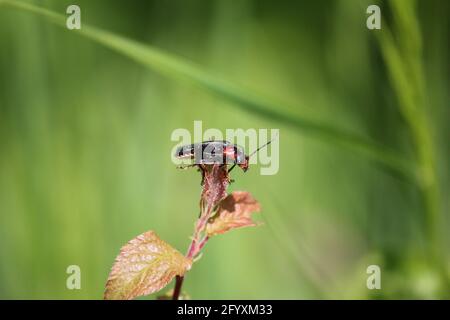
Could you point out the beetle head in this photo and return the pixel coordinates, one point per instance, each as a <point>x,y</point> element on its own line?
<point>244,165</point>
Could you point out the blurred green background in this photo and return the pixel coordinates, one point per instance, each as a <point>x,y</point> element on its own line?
<point>85,146</point>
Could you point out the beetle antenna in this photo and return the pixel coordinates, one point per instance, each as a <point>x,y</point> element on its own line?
<point>264,145</point>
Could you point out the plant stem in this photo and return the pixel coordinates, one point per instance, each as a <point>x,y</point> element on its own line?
<point>216,181</point>
<point>177,290</point>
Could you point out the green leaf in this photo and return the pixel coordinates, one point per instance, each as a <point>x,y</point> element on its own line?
<point>145,265</point>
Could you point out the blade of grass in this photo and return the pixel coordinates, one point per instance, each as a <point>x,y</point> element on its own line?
<point>242,98</point>
<point>404,63</point>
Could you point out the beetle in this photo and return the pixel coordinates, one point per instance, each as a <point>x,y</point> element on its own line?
<point>216,152</point>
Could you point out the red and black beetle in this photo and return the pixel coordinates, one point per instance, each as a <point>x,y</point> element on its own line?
<point>212,152</point>
<point>216,152</point>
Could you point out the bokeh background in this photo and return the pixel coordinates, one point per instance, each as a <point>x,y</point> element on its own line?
<point>85,146</point>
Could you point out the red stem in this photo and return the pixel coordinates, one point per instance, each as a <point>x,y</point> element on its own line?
<point>196,244</point>
<point>193,250</point>
<point>177,290</point>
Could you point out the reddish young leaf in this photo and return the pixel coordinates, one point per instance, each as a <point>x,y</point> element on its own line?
<point>145,265</point>
<point>235,211</point>
<point>216,181</point>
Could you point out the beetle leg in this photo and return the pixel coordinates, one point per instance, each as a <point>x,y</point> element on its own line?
<point>232,167</point>
<point>184,167</point>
